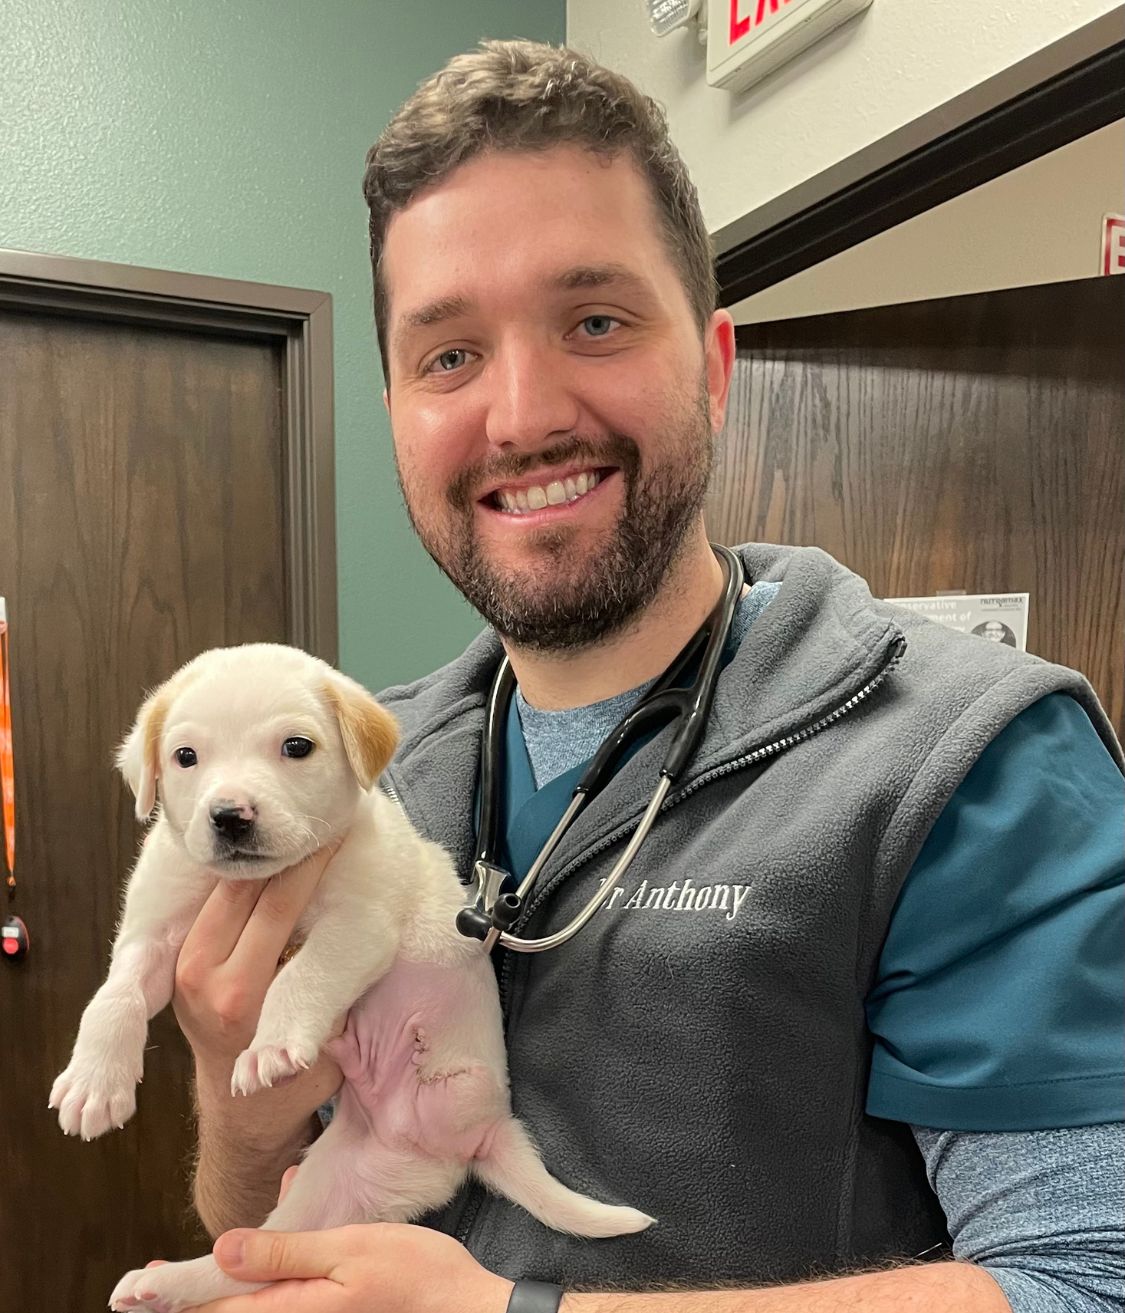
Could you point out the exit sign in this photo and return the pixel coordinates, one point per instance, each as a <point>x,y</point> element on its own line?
<point>746,39</point>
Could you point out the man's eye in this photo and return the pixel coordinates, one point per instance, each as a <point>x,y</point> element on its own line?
<point>186,757</point>
<point>448,361</point>
<point>297,747</point>
<point>599,325</point>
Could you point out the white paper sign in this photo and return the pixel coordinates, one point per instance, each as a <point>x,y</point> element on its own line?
<point>995,617</point>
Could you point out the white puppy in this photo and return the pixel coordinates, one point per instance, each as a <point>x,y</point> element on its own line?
<point>263,755</point>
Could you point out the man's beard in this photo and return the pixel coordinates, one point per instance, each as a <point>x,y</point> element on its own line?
<point>545,607</point>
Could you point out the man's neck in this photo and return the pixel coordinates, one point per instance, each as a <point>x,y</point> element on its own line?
<point>644,649</point>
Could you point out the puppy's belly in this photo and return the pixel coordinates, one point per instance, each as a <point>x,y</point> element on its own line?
<point>423,1059</point>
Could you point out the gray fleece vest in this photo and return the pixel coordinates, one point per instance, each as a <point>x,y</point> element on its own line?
<point>699,1051</point>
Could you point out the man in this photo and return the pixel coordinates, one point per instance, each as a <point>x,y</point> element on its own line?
<point>805,1035</point>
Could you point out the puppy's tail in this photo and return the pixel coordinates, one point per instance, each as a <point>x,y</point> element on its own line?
<point>513,1168</point>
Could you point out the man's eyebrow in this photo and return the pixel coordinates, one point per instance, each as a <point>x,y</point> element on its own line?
<point>598,275</point>
<point>581,276</point>
<point>433,312</point>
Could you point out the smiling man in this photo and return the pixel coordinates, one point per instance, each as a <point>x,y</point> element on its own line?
<point>808,1034</point>
<point>553,417</point>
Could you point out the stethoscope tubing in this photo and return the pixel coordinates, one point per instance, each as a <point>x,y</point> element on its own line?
<point>693,704</point>
<point>520,945</point>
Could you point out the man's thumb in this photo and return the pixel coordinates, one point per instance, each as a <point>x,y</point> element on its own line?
<point>275,1255</point>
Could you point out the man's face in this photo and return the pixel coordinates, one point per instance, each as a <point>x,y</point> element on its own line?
<point>552,399</point>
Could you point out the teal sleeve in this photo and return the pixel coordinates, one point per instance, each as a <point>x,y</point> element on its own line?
<point>998,1001</point>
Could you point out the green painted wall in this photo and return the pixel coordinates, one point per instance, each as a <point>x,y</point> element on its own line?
<point>227,137</point>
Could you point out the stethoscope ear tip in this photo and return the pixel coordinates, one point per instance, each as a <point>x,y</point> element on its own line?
<point>506,910</point>
<point>474,923</point>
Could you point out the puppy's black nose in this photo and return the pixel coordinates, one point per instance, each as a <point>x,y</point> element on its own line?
<point>232,822</point>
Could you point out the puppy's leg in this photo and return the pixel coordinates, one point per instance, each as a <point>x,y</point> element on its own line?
<point>97,1090</point>
<point>343,956</point>
<point>363,1175</point>
<point>347,1176</point>
<point>172,1287</point>
<point>321,1195</point>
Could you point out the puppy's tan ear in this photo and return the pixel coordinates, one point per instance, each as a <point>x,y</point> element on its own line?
<point>138,758</point>
<point>369,731</point>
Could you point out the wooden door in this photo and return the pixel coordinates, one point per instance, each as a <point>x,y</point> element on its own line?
<point>142,519</point>
<point>973,443</point>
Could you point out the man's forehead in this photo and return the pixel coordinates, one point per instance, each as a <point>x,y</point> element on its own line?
<point>559,218</point>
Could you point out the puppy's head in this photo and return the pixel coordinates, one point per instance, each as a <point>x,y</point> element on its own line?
<point>260,755</point>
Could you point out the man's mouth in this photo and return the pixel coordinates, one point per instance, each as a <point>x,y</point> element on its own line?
<point>528,498</point>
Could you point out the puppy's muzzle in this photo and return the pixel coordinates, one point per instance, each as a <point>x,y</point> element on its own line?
<point>233,822</point>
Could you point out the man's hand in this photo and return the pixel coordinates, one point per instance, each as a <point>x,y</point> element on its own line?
<point>230,957</point>
<point>225,967</point>
<point>380,1268</point>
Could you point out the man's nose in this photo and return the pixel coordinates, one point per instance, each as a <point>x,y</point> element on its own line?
<point>231,819</point>
<point>531,401</point>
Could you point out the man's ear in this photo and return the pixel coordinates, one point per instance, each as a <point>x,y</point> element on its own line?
<point>369,731</point>
<point>138,758</point>
<point>719,352</point>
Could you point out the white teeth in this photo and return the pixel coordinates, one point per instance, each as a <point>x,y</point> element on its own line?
<point>557,493</point>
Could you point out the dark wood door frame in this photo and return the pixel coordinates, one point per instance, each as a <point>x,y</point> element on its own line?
<point>299,321</point>
<point>1060,109</point>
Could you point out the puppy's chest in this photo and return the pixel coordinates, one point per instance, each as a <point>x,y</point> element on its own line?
<point>416,992</point>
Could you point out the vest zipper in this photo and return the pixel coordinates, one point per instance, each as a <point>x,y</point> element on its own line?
<point>753,758</point>
<point>391,792</point>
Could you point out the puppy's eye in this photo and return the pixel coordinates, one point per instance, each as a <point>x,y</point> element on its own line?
<point>186,757</point>
<point>297,747</point>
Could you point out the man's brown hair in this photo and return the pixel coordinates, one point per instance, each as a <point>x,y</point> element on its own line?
<point>522,95</point>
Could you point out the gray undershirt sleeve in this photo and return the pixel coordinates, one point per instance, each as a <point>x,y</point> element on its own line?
<point>1042,1211</point>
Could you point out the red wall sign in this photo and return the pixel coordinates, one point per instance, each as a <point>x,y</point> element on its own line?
<point>746,15</point>
<point>1113,244</point>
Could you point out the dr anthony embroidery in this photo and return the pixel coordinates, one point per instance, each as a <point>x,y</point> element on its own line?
<point>683,896</point>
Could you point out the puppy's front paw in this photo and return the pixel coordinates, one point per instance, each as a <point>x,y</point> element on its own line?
<point>263,1066</point>
<point>94,1096</point>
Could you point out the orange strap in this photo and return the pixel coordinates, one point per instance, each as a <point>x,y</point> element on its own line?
<point>7,759</point>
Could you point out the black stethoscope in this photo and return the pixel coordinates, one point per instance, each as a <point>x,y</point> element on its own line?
<point>492,912</point>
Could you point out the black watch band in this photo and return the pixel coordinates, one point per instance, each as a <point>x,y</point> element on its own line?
<point>535,1297</point>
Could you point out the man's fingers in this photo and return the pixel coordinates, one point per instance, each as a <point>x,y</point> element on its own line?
<point>282,1297</point>
<point>281,1255</point>
<point>276,913</point>
<point>220,922</point>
